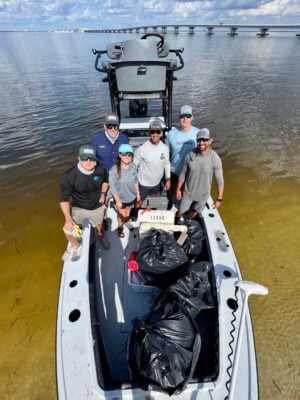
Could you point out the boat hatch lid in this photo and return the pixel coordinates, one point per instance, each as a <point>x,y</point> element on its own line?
<point>140,123</point>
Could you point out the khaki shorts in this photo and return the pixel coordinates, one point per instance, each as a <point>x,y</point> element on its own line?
<point>95,216</point>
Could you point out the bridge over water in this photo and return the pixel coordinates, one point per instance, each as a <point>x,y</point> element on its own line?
<point>233,28</point>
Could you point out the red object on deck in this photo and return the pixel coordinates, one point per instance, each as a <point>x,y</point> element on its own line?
<point>132,265</point>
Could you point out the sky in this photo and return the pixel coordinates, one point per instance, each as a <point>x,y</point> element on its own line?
<point>101,14</point>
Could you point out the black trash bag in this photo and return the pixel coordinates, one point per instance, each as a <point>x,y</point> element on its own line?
<point>146,278</point>
<point>163,281</point>
<point>194,243</point>
<point>193,290</point>
<point>159,253</point>
<point>163,348</point>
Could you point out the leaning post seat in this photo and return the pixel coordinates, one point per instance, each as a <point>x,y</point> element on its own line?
<point>140,70</point>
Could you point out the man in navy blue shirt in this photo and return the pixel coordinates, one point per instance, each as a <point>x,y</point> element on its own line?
<point>107,142</point>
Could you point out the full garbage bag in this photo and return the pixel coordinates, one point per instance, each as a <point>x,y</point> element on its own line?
<point>163,281</point>
<point>159,253</point>
<point>194,244</point>
<point>163,348</point>
<point>193,290</point>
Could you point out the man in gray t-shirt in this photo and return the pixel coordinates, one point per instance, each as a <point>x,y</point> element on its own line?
<point>196,175</point>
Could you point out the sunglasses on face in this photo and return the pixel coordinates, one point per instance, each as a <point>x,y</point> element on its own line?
<point>154,132</point>
<point>115,127</point>
<point>87,159</point>
<point>126,154</point>
<point>185,116</point>
<point>202,140</point>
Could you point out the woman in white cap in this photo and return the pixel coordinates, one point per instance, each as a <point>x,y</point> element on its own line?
<point>123,182</point>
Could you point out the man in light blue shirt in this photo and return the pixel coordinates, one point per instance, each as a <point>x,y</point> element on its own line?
<point>180,142</point>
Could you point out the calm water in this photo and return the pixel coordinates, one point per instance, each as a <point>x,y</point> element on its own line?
<point>245,89</point>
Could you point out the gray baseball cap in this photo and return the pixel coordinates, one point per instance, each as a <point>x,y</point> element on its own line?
<point>111,119</point>
<point>186,110</point>
<point>155,125</point>
<point>87,151</point>
<point>203,134</point>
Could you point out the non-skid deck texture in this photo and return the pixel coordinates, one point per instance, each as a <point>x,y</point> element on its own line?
<point>120,303</point>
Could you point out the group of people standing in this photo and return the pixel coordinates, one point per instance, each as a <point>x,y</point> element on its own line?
<point>109,168</point>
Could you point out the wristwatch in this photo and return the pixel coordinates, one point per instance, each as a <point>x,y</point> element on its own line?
<point>220,200</point>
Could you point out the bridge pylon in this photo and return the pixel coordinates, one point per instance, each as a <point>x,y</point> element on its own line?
<point>263,32</point>
<point>210,30</point>
<point>233,31</point>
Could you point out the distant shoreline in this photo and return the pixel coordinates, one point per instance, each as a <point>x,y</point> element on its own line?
<point>95,31</point>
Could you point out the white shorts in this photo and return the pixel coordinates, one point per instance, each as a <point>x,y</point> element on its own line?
<point>95,216</point>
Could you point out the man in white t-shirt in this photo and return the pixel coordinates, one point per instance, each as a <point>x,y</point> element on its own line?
<point>152,161</point>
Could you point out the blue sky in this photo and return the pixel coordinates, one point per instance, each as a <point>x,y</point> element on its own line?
<point>59,14</point>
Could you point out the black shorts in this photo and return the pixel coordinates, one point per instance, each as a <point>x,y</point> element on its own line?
<point>174,179</point>
<point>130,204</point>
<point>149,190</point>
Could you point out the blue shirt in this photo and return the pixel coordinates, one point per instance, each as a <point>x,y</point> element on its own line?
<point>106,151</point>
<point>180,144</point>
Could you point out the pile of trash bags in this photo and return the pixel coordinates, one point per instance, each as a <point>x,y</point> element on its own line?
<point>159,258</point>
<point>164,345</point>
<point>159,253</point>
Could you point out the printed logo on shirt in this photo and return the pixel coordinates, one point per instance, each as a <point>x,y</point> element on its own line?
<point>162,156</point>
<point>96,178</point>
<point>102,146</point>
<point>186,143</point>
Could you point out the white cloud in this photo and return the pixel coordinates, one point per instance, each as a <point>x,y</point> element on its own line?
<point>123,13</point>
<point>273,8</point>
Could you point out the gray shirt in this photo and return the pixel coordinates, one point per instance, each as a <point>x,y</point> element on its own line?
<point>197,173</point>
<point>125,185</point>
<point>152,161</point>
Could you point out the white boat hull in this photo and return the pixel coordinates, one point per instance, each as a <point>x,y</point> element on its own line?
<point>76,366</point>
